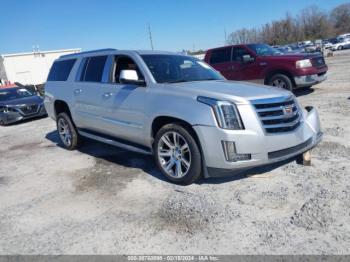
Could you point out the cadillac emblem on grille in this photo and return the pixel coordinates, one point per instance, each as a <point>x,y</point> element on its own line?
<point>287,110</point>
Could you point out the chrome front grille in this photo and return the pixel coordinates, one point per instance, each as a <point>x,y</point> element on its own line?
<point>318,61</point>
<point>278,115</point>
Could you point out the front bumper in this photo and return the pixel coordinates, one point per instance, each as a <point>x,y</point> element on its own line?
<point>15,116</point>
<point>263,148</point>
<point>309,80</point>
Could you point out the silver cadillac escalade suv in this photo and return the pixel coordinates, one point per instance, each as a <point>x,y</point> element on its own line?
<point>178,108</point>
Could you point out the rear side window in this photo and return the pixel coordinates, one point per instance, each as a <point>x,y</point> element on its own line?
<point>221,55</point>
<point>93,69</point>
<point>60,70</point>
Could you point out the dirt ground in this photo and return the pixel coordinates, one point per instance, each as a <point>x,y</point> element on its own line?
<point>103,200</point>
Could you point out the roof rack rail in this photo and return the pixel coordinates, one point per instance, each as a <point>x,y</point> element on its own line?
<point>88,52</point>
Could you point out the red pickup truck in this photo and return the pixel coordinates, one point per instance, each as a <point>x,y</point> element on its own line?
<point>263,64</point>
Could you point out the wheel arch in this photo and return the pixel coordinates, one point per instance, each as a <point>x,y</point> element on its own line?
<point>160,121</point>
<point>61,106</point>
<point>279,71</point>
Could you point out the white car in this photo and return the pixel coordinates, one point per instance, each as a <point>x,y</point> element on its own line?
<point>342,44</point>
<point>328,45</point>
<point>347,35</point>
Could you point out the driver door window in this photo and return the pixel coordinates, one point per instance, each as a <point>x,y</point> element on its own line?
<point>238,53</point>
<point>124,63</point>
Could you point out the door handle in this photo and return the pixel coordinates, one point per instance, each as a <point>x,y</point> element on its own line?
<point>107,95</point>
<point>77,91</point>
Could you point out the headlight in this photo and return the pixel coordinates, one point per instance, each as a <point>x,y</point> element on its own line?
<point>303,63</point>
<point>226,113</point>
<point>3,109</point>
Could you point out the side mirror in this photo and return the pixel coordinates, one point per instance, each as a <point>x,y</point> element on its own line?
<point>130,77</point>
<point>248,59</point>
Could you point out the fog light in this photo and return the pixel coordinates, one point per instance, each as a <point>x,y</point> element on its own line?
<point>231,155</point>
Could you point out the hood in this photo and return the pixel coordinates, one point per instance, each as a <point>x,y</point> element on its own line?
<point>31,100</point>
<point>291,56</point>
<point>239,92</point>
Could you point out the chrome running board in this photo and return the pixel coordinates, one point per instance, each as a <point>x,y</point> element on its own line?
<point>116,142</point>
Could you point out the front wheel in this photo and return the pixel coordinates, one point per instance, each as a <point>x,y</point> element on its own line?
<point>281,81</point>
<point>177,154</point>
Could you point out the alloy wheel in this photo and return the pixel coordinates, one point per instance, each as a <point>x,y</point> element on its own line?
<point>64,132</point>
<point>174,154</point>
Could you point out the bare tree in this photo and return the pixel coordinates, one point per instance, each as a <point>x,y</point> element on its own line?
<point>340,18</point>
<point>314,23</point>
<point>311,24</point>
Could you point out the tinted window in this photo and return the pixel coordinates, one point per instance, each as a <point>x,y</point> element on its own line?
<point>238,53</point>
<point>60,70</point>
<point>93,69</point>
<point>220,55</point>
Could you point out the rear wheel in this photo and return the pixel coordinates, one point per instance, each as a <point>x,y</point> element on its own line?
<point>281,81</point>
<point>177,154</point>
<point>2,123</point>
<point>340,47</point>
<point>67,131</point>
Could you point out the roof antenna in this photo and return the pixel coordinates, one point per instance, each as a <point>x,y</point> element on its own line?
<point>150,36</point>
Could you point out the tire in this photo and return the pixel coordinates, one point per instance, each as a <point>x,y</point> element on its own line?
<point>179,161</point>
<point>2,123</point>
<point>68,133</point>
<point>282,81</point>
<point>340,47</point>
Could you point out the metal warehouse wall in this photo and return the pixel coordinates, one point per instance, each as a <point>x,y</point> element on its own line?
<point>31,68</point>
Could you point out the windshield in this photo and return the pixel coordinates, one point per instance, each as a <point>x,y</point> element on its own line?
<point>264,50</point>
<point>14,93</point>
<point>179,68</point>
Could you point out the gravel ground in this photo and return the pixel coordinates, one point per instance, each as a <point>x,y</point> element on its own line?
<point>103,200</point>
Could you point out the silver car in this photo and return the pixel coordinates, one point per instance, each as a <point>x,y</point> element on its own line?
<point>177,108</point>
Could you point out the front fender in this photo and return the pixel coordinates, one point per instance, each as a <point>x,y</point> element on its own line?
<point>185,108</point>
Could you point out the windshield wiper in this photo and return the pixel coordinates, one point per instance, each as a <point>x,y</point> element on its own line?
<point>207,79</point>
<point>183,80</point>
<point>177,81</point>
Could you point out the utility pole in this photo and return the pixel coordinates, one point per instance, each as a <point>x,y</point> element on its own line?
<point>225,36</point>
<point>150,36</point>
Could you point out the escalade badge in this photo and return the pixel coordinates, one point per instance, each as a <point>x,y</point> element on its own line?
<point>287,110</point>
